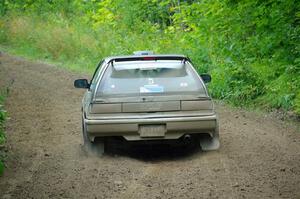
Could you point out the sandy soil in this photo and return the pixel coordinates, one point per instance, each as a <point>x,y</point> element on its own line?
<point>259,155</point>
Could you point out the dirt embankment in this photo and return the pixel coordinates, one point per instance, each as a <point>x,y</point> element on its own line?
<point>259,156</point>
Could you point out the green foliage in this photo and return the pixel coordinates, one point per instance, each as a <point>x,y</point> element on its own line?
<point>2,119</point>
<point>2,136</point>
<point>237,83</point>
<point>1,168</point>
<point>297,104</point>
<point>251,47</point>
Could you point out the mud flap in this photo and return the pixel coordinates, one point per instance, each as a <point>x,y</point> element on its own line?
<point>209,143</point>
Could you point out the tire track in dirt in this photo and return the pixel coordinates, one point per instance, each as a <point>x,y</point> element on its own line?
<point>259,156</point>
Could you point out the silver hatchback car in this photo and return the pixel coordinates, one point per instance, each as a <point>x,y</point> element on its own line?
<point>148,97</point>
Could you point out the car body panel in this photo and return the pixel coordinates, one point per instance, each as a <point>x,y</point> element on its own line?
<point>147,117</point>
<point>129,128</point>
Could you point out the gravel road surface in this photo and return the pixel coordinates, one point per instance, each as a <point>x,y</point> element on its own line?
<point>259,155</point>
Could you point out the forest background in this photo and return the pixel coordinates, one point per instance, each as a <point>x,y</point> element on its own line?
<point>250,47</point>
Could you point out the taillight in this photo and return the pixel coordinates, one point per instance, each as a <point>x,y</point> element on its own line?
<point>105,108</point>
<point>196,105</point>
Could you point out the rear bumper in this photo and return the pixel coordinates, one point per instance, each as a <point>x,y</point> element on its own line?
<point>129,128</point>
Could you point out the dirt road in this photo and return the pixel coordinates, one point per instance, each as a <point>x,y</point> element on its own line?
<point>259,156</point>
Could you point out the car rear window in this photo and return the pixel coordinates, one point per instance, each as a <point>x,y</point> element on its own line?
<point>159,77</point>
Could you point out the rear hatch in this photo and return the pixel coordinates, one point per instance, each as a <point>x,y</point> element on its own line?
<point>150,86</point>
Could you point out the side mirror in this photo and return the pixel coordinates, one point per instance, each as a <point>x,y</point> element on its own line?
<point>206,78</point>
<point>81,83</point>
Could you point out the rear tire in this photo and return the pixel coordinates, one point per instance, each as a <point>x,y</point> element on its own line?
<point>96,147</point>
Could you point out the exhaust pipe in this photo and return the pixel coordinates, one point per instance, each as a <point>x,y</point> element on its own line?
<point>187,139</point>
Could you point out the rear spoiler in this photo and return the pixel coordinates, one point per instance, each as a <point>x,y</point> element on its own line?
<point>150,57</point>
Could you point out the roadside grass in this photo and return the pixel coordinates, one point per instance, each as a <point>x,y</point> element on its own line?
<point>75,46</point>
<point>79,47</point>
<point>3,115</point>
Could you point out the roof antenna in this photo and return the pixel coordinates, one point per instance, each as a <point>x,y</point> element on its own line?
<point>145,52</point>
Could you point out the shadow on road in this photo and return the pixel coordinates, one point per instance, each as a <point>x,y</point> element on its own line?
<point>152,151</point>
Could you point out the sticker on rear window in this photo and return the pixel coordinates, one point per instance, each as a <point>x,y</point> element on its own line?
<point>153,88</point>
<point>183,84</point>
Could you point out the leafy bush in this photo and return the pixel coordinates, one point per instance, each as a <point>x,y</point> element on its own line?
<point>297,104</point>
<point>2,119</point>
<point>240,84</point>
<point>2,136</point>
<point>1,168</point>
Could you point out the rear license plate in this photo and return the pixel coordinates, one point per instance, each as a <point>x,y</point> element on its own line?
<point>152,130</point>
